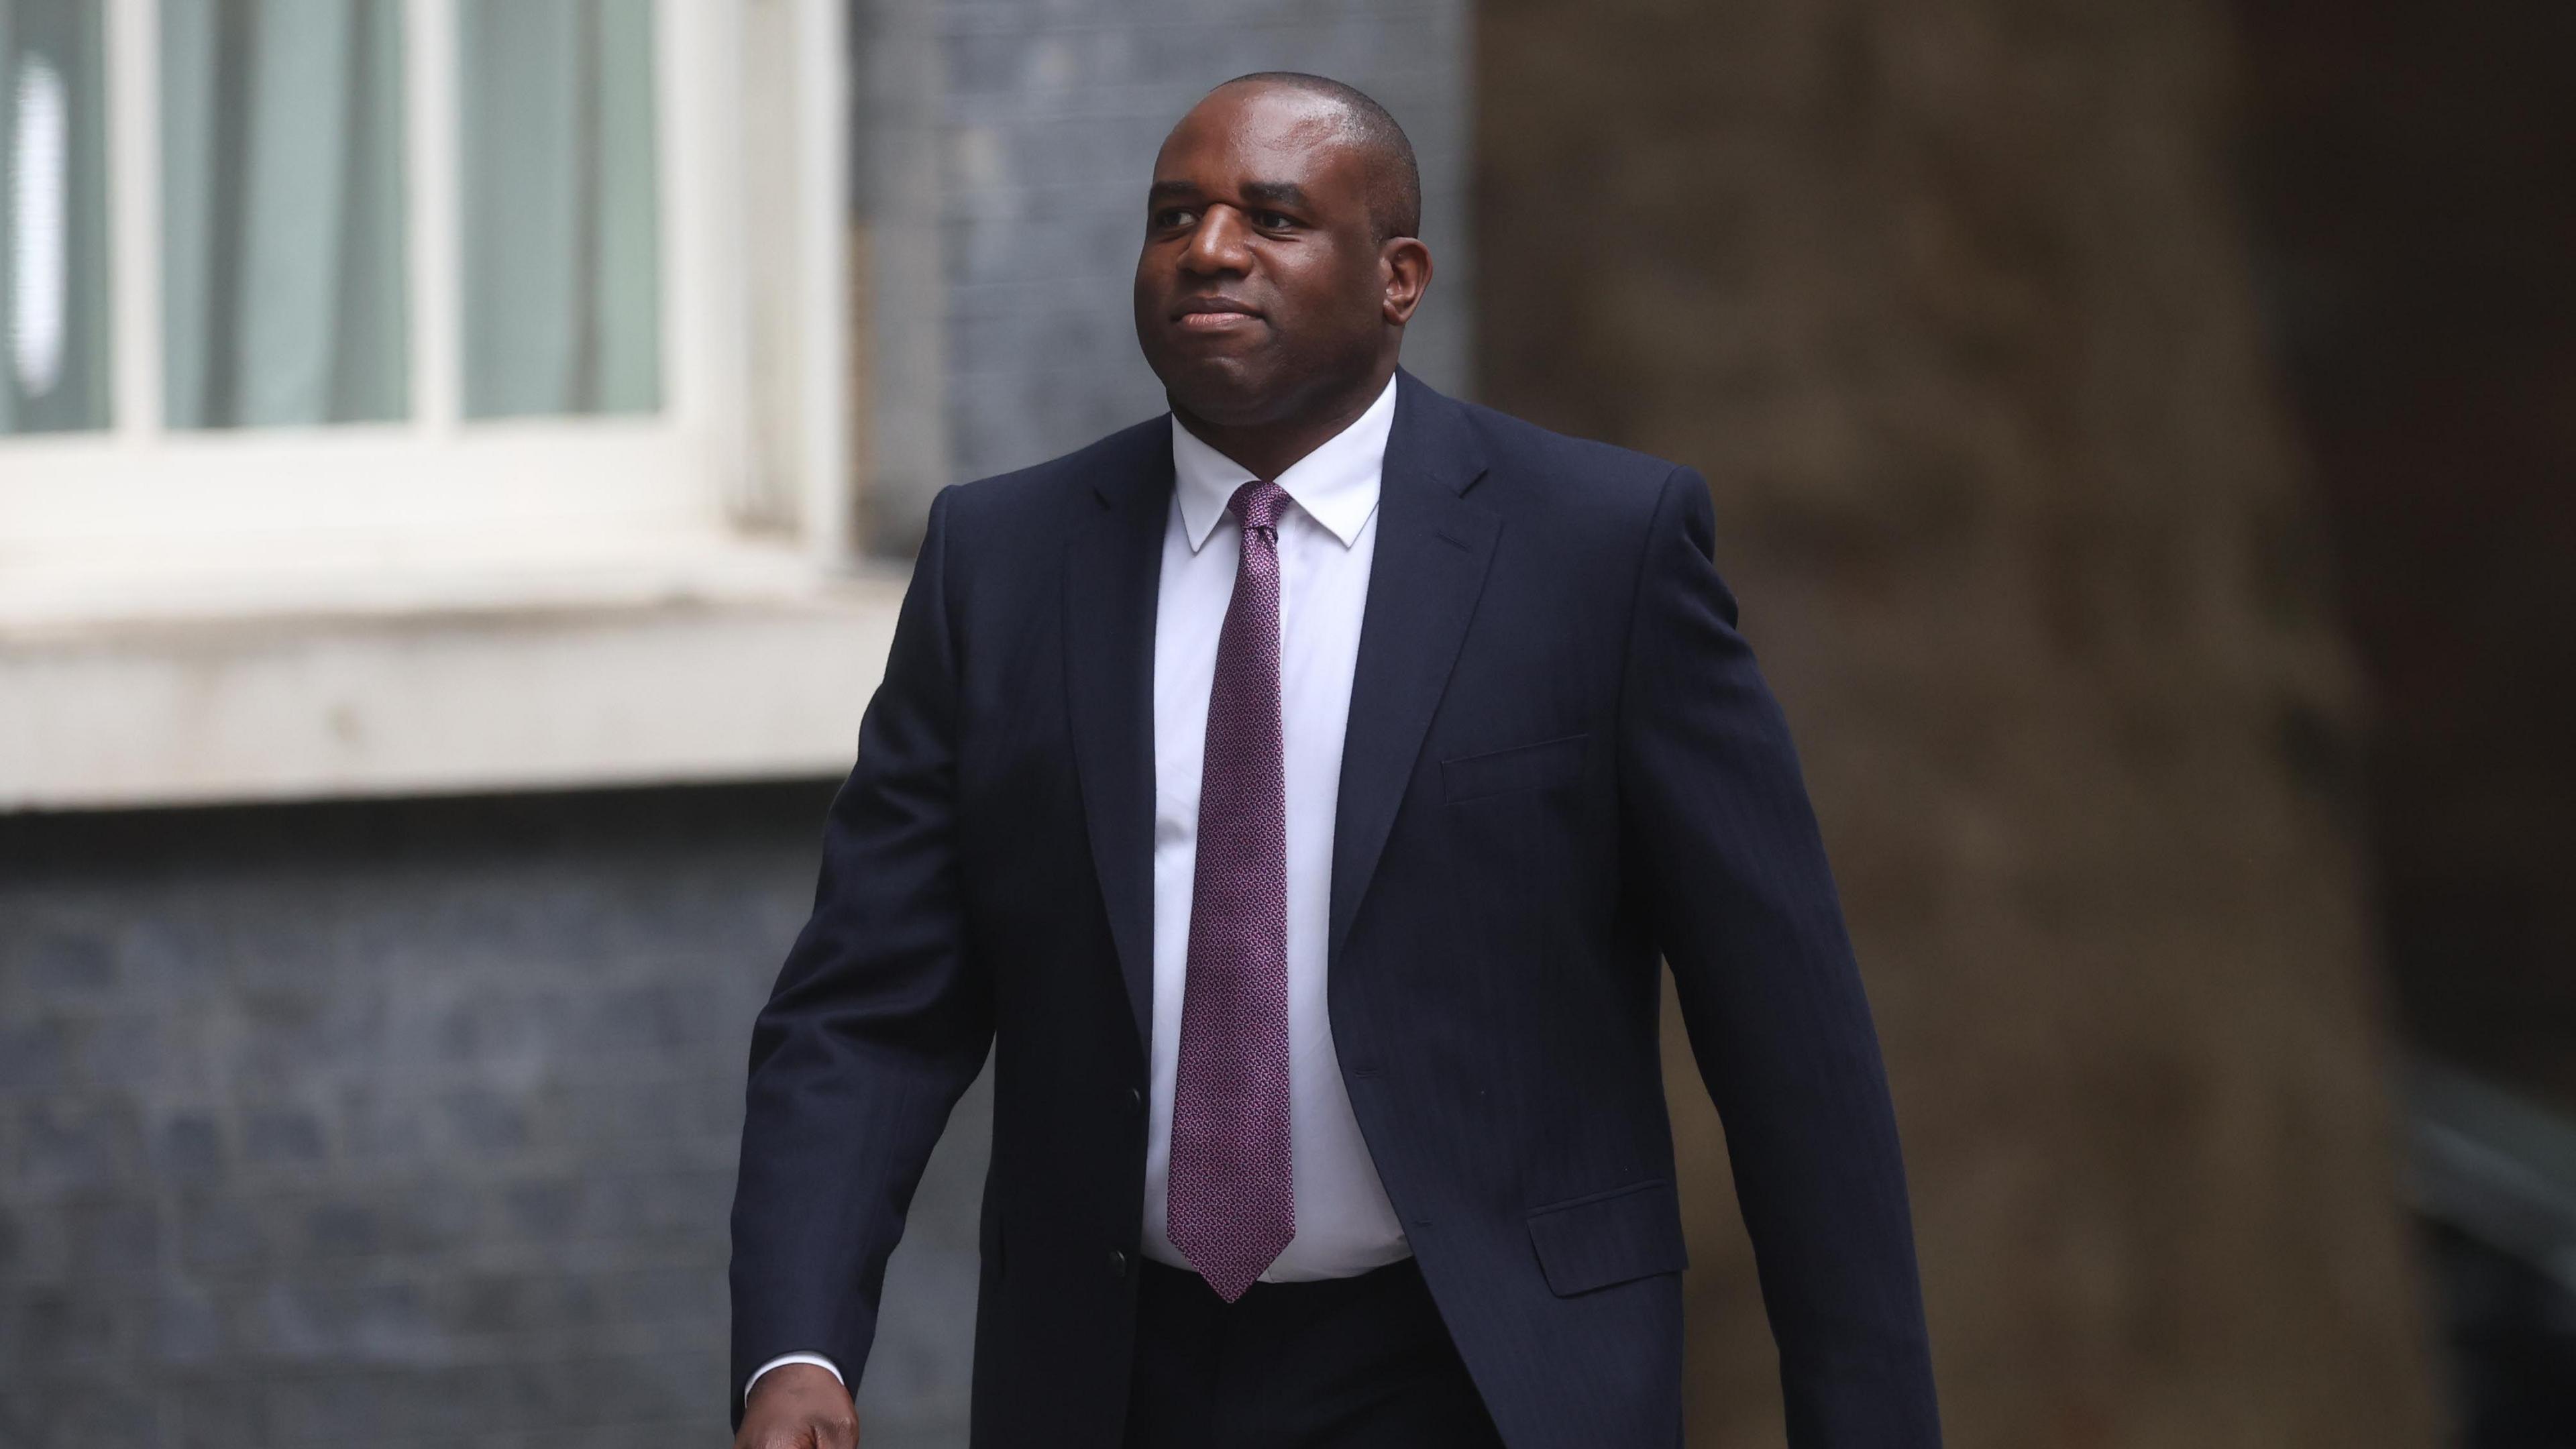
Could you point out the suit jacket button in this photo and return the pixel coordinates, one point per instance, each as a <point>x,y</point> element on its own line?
<point>1117,1263</point>
<point>1135,1100</point>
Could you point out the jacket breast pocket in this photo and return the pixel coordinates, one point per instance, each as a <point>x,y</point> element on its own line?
<point>1522,767</point>
<point>1609,1237</point>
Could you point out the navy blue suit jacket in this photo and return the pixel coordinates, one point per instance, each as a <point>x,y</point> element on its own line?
<point>1561,765</point>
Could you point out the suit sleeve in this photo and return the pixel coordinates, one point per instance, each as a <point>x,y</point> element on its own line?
<point>877,1024</point>
<point>1736,888</point>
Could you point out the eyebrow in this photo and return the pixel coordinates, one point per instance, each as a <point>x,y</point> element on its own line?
<point>1269,193</point>
<point>1277,193</point>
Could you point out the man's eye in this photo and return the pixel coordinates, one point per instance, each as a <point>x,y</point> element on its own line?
<point>1172,216</point>
<point>1273,220</point>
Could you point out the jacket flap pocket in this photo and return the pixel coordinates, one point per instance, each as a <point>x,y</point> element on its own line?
<point>1613,1237</point>
<point>1523,767</point>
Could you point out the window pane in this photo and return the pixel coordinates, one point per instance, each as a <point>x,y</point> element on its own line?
<point>53,217</point>
<point>281,211</point>
<point>561,228</point>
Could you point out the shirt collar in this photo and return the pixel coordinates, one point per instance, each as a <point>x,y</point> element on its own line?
<point>1337,484</point>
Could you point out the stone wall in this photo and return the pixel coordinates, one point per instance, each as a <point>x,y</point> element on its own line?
<point>407,1123</point>
<point>1950,302</point>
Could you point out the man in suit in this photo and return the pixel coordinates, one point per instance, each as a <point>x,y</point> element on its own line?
<point>1295,795</point>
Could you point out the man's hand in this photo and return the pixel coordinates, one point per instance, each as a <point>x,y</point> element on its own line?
<point>798,1406</point>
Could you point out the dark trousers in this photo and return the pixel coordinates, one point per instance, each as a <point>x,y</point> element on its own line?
<point>1349,1363</point>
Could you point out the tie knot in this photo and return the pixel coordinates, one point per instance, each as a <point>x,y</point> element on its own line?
<point>1259,504</point>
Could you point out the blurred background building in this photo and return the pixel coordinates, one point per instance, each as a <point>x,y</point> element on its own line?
<point>458,459</point>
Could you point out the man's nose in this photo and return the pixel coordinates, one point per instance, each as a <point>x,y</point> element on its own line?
<point>1218,245</point>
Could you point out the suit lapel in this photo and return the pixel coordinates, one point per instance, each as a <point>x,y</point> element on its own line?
<point>1432,551</point>
<point>1113,568</point>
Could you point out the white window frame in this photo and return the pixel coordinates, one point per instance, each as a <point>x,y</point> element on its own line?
<point>542,560</point>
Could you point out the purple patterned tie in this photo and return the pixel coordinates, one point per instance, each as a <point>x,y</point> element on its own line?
<point>1230,1203</point>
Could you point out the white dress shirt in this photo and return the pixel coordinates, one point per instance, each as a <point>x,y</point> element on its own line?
<point>1345,1225</point>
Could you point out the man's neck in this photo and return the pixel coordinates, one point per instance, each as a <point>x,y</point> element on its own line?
<point>1266,450</point>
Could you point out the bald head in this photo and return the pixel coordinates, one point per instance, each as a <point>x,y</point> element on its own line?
<point>1394,180</point>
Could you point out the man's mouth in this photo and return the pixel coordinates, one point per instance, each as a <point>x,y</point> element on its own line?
<point>1214,314</point>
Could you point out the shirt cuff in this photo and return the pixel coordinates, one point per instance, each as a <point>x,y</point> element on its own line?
<point>816,1359</point>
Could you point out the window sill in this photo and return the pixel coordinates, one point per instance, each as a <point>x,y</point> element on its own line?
<point>740,663</point>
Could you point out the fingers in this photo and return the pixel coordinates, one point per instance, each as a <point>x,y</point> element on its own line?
<point>818,1431</point>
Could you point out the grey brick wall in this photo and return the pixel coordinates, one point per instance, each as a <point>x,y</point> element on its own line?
<point>407,1123</point>
<point>1007,148</point>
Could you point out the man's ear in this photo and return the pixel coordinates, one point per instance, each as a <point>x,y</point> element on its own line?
<point>1404,270</point>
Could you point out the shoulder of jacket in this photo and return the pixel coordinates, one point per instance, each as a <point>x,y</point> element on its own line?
<point>1119,452</point>
<point>1602,474</point>
<point>1031,501</point>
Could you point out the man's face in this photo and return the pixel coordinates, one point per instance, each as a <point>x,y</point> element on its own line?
<point>1260,288</point>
